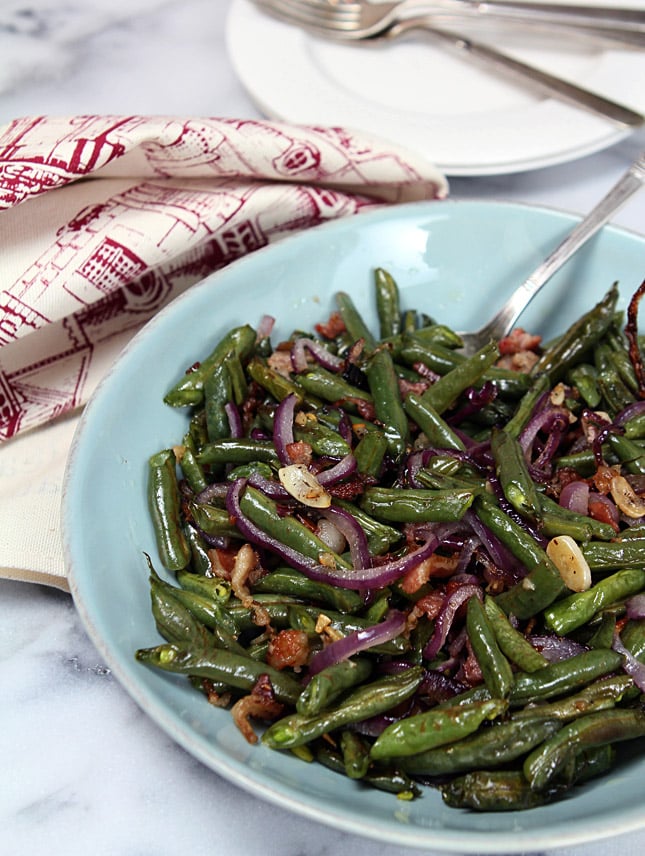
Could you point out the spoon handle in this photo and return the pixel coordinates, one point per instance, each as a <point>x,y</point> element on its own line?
<point>501,324</point>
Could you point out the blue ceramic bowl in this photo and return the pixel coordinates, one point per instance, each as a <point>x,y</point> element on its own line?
<point>455,260</point>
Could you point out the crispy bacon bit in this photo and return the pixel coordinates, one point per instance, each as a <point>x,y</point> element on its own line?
<point>280,361</point>
<point>631,331</point>
<point>601,512</point>
<point>246,568</point>
<point>288,648</point>
<point>408,386</point>
<point>331,328</point>
<point>470,672</point>
<point>434,566</point>
<point>215,698</point>
<point>365,408</point>
<point>603,478</point>
<point>222,562</point>
<point>300,452</point>
<point>523,361</point>
<point>519,340</point>
<point>432,603</point>
<point>259,704</point>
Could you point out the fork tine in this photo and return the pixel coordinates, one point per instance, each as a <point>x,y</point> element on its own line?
<point>315,13</point>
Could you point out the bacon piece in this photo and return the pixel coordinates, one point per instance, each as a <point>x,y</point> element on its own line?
<point>519,340</point>
<point>259,704</point>
<point>288,649</point>
<point>331,328</point>
<point>300,452</point>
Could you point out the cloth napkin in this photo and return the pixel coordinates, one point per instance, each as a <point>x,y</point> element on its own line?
<point>104,220</point>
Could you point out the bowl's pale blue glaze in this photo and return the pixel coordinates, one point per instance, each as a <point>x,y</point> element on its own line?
<point>455,260</point>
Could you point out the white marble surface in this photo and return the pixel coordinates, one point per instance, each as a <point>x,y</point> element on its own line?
<point>84,770</point>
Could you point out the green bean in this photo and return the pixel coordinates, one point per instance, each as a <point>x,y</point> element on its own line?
<point>295,583</point>
<point>494,746</point>
<point>493,790</point>
<point>389,779</point>
<point>387,303</point>
<point>513,644</point>
<point>380,536</point>
<point>264,513</point>
<point>436,429</point>
<point>513,474</point>
<point>272,381</point>
<point>369,700</point>
<point>219,665</point>
<point>556,520</point>
<point>237,451</point>
<point>389,411</point>
<point>356,326</point>
<point>213,588</point>
<point>322,439</point>
<point>577,609</point>
<point>189,390</point>
<point>416,505</point>
<point>356,755</point>
<point>579,339</point>
<point>208,611</point>
<point>165,510</point>
<point>585,378</point>
<point>329,684</point>
<point>629,453</point>
<point>369,453</point>
<point>173,621</point>
<point>191,469</point>
<point>635,427</point>
<point>633,638</point>
<point>331,387</point>
<point>212,520</point>
<point>200,560</point>
<point>600,695</point>
<point>218,392</point>
<point>596,729</point>
<point>435,727</point>
<point>542,584</point>
<point>563,676</point>
<point>495,668</point>
<point>442,394</point>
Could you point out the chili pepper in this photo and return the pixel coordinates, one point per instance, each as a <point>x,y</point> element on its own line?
<point>596,729</point>
<point>329,684</point>
<point>356,326</point>
<point>389,411</point>
<point>579,339</point>
<point>513,474</point>
<point>495,668</point>
<point>165,510</point>
<point>366,701</point>
<point>435,727</point>
<point>577,609</point>
<point>563,676</point>
<point>493,790</point>
<point>189,390</point>
<point>495,746</point>
<point>436,429</point>
<point>387,303</point>
<point>416,505</point>
<point>219,665</point>
<point>442,394</point>
<point>513,643</point>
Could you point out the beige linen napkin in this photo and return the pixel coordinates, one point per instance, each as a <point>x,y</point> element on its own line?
<point>104,220</point>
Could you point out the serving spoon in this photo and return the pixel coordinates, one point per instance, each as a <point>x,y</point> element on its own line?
<point>502,323</point>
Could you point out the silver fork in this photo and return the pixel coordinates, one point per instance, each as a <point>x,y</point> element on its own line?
<point>502,323</point>
<point>358,21</point>
<point>364,18</point>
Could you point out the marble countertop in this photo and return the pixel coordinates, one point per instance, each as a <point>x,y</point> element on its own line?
<point>84,770</point>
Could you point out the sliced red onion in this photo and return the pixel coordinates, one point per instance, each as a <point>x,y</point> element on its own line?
<point>265,327</point>
<point>632,666</point>
<point>234,419</point>
<point>269,487</point>
<point>446,617</point>
<point>637,408</point>
<point>283,427</point>
<point>353,533</point>
<point>635,606</point>
<point>501,556</point>
<point>612,512</point>
<point>345,427</point>
<point>318,351</point>
<point>216,490</point>
<point>358,640</point>
<point>345,467</point>
<point>356,578</point>
<point>556,648</point>
<point>575,497</point>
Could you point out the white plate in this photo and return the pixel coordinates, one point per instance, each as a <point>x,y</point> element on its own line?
<point>467,121</point>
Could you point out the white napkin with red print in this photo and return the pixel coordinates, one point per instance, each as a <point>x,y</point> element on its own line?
<point>104,220</point>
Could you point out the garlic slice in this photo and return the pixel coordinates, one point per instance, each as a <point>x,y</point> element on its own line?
<point>626,498</point>
<point>304,486</point>
<point>567,556</point>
